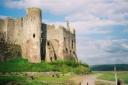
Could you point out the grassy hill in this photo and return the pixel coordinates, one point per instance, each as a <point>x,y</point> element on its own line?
<point>37,80</point>
<point>110,67</point>
<point>21,65</point>
<point>14,72</point>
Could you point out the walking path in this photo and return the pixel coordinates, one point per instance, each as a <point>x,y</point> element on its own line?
<point>89,80</point>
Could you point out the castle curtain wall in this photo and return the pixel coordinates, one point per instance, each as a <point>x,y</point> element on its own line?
<point>39,41</point>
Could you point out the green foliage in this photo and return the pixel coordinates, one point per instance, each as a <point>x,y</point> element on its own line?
<point>40,80</point>
<point>21,65</point>
<point>63,80</point>
<point>5,80</point>
<point>18,80</point>
<point>9,51</point>
<point>110,67</point>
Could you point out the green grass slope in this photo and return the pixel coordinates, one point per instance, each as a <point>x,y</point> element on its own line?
<point>21,65</point>
<point>41,80</point>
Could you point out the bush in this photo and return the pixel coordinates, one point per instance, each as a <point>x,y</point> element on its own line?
<point>9,51</point>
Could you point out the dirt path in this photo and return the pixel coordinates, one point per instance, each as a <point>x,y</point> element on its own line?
<point>85,79</point>
<point>92,79</point>
<point>89,80</point>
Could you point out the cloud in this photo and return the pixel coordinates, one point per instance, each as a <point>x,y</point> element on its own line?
<point>125,45</point>
<point>59,6</point>
<point>18,4</point>
<point>118,47</point>
<point>3,17</point>
<point>83,6</point>
<point>103,51</point>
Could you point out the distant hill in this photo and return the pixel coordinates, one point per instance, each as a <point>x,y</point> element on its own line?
<point>110,67</point>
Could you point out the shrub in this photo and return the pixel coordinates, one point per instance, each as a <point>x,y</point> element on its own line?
<point>9,51</point>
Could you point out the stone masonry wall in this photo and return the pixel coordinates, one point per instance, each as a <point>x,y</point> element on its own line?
<point>60,43</point>
<point>32,35</point>
<point>2,33</point>
<point>54,45</point>
<point>18,31</point>
<point>69,43</point>
<point>10,30</point>
<point>39,41</point>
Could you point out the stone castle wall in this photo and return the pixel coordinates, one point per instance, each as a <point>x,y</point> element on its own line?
<point>32,35</point>
<point>54,44</point>
<point>60,43</point>
<point>18,31</point>
<point>39,41</point>
<point>2,32</point>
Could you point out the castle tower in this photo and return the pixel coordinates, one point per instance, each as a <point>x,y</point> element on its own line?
<point>32,35</point>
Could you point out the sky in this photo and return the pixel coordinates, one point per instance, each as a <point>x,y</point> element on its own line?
<point>101,25</point>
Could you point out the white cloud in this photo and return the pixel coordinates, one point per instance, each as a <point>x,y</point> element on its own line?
<point>23,3</point>
<point>3,17</point>
<point>59,6</point>
<point>125,45</point>
<point>103,51</point>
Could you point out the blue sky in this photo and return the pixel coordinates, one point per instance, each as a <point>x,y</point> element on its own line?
<point>101,25</point>
<point>20,12</point>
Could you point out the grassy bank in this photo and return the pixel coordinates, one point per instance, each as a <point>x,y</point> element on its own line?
<point>21,65</point>
<point>11,72</point>
<point>22,80</point>
<point>108,75</point>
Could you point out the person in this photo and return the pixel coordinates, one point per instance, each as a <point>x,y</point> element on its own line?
<point>118,82</point>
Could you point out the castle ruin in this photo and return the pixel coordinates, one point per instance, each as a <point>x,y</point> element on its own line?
<point>39,41</point>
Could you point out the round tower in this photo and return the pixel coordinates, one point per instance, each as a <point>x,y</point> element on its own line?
<point>33,34</point>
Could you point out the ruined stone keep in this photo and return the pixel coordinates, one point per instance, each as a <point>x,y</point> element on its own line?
<point>39,41</point>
